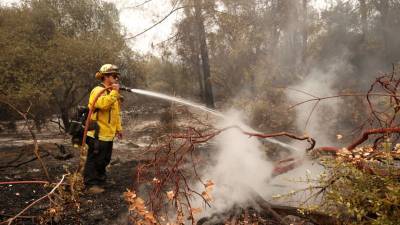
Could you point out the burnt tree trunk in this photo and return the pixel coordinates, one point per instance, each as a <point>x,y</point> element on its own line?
<point>208,93</point>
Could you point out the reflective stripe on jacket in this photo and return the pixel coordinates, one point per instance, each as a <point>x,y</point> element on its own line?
<point>107,114</point>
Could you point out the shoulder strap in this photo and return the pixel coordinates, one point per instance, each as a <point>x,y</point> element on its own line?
<point>97,110</point>
<point>103,86</point>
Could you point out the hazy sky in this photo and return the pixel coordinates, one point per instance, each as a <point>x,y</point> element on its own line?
<point>137,19</point>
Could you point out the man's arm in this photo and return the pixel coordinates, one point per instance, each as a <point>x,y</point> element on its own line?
<point>104,101</point>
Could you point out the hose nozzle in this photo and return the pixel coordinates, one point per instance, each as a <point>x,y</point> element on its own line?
<point>124,88</point>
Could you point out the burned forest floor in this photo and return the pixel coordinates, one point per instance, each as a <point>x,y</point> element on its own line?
<point>142,126</point>
<point>19,163</point>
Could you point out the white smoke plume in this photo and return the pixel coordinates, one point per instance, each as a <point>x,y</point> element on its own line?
<point>241,167</point>
<point>316,121</point>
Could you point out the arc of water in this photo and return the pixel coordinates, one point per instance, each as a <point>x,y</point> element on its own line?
<point>203,108</point>
<point>178,100</point>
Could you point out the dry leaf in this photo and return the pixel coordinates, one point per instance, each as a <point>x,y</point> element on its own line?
<point>179,218</point>
<point>150,217</point>
<point>344,151</point>
<point>170,195</point>
<point>209,183</point>
<point>207,196</point>
<point>129,196</point>
<point>139,205</point>
<point>196,210</point>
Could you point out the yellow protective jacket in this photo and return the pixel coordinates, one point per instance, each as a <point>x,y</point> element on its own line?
<point>107,113</point>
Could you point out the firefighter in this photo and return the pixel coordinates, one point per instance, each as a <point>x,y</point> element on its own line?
<point>107,119</point>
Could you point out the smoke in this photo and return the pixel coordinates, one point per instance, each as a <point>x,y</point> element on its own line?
<point>241,167</point>
<point>318,119</point>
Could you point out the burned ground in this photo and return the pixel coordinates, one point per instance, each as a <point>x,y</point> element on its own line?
<point>142,127</point>
<point>18,163</point>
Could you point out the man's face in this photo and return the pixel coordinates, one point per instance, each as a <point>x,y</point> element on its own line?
<point>112,78</point>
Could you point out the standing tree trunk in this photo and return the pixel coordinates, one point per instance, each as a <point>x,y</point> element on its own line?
<point>209,98</point>
<point>65,117</point>
<point>195,60</point>
<point>65,104</point>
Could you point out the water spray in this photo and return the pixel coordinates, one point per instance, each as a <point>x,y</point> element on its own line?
<point>203,108</point>
<point>171,98</point>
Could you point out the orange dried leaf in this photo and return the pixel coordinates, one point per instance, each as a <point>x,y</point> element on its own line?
<point>150,218</point>
<point>207,196</point>
<point>179,218</point>
<point>209,183</point>
<point>129,194</point>
<point>196,210</point>
<point>139,206</point>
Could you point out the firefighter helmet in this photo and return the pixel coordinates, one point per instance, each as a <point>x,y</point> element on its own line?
<point>107,69</point>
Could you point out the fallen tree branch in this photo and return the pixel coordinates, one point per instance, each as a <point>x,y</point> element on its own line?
<point>366,134</point>
<point>360,140</point>
<point>201,138</point>
<point>280,168</point>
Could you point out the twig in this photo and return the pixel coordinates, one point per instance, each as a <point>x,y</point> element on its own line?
<point>342,95</point>
<point>9,221</point>
<point>157,23</point>
<point>138,5</point>
<point>24,182</point>
<point>309,116</point>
